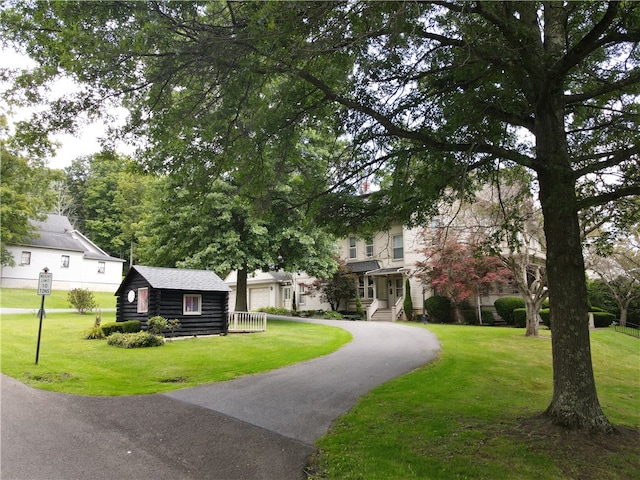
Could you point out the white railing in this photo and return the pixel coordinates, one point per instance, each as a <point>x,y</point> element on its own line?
<point>372,308</point>
<point>397,310</point>
<point>247,322</point>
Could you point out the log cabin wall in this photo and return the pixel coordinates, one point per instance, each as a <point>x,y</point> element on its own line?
<point>169,304</point>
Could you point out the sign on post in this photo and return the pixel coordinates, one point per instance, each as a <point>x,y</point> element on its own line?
<point>44,283</point>
<point>44,288</point>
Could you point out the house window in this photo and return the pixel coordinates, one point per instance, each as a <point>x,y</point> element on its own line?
<point>143,300</point>
<point>101,267</point>
<point>399,289</point>
<point>365,287</point>
<point>192,304</point>
<point>353,251</point>
<point>302,290</point>
<point>369,247</point>
<point>26,258</point>
<point>65,261</point>
<point>398,250</point>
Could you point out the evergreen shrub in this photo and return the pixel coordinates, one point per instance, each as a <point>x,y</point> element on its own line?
<point>603,319</point>
<point>519,317</point>
<point>131,326</point>
<point>487,317</point>
<point>408,302</point>
<point>545,315</point>
<point>439,309</point>
<point>505,307</point>
<point>111,328</point>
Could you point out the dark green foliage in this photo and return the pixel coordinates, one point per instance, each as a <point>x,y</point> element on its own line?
<point>82,300</point>
<point>112,327</point>
<point>131,326</point>
<point>359,308</point>
<point>519,317</point>
<point>545,315</point>
<point>332,315</point>
<point>439,309</point>
<point>408,302</point>
<point>135,340</point>
<point>505,307</point>
<point>487,317</point>
<point>603,319</point>
<point>469,313</point>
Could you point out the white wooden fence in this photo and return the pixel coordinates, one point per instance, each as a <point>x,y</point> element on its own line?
<point>247,322</point>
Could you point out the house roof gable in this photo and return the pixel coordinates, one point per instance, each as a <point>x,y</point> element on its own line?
<point>56,232</point>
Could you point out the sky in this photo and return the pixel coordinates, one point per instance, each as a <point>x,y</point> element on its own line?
<point>85,142</point>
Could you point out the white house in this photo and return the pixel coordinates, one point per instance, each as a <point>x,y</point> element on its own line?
<point>73,259</point>
<point>382,264</point>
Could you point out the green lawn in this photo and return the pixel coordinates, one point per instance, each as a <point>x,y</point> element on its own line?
<point>28,298</point>
<point>68,363</point>
<point>472,415</point>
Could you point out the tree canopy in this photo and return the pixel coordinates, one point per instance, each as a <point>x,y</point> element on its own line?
<point>429,95</point>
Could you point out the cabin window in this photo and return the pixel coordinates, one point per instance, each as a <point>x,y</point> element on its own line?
<point>26,258</point>
<point>398,250</point>
<point>143,300</point>
<point>353,251</point>
<point>64,263</point>
<point>192,304</point>
<point>101,267</point>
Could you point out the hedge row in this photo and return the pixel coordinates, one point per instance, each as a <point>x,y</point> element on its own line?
<point>130,326</point>
<point>135,340</point>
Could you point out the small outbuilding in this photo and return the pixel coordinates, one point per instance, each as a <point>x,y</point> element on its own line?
<point>199,299</point>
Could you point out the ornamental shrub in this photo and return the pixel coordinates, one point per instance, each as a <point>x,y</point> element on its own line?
<point>439,309</point>
<point>408,302</point>
<point>131,326</point>
<point>332,315</point>
<point>95,333</point>
<point>487,317</point>
<point>505,307</point>
<point>135,340</point>
<point>603,319</point>
<point>156,324</point>
<point>519,317</point>
<point>82,300</point>
<point>545,315</point>
<point>111,328</point>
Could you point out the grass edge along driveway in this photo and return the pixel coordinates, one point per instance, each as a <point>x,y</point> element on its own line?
<point>474,414</point>
<point>68,363</point>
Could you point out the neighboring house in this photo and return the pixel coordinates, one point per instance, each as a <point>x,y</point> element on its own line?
<point>381,263</point>
<point>73,259</point>
<point>197,298</point>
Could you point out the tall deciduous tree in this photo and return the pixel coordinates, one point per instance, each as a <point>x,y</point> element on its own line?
<point>217,228</point>
<point>24,196</point>
<point>429,92</point>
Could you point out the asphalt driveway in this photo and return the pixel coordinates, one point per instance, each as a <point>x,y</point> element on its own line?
<point>256,427</point>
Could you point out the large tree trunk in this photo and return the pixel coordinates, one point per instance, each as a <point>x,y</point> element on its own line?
<point>241,291</point>
<point>575,402</point>
<point>532,306</point>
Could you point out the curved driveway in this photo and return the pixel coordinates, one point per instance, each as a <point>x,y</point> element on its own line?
<point>255,427</point>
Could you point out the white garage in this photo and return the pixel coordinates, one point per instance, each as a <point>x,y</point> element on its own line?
<point>259,298</point>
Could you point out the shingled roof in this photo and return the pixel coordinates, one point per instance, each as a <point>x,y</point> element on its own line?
<point>56,232</point>
<point>179,279</point>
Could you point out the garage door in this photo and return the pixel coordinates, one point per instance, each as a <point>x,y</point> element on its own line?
<point>258,298</point>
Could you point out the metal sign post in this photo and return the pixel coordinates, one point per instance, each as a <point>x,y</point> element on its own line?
<point>44,288</point>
